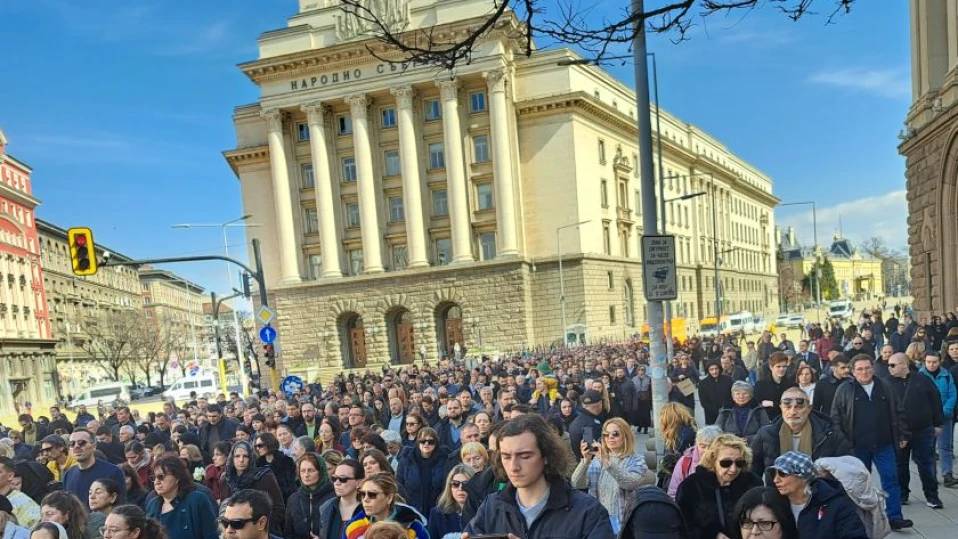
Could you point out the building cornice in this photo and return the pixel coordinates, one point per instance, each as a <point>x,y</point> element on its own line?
<point>18,196</point>
<point>46,228</point>
<point>246,156</point>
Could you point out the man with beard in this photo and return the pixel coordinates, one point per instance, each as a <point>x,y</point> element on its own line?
<point>449,427</point>
<point>309,425</point>
<point>623,395</point>
<point>715,392</point>
<point>731,369</point>
<point>798,428</point>
<point>395,418</point>
<point>826,387</point>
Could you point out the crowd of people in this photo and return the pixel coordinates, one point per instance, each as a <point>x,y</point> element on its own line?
<point>542,444</point>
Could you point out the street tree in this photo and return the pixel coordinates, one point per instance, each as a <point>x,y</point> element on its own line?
<point>876,248</point>
<point>603,34</point>
<point>111,339</point>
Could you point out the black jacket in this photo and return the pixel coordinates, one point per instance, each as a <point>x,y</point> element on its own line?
<point>755,420</point>
<point>825,393</point>
<point>830,514</point>
<point>699,497</point>
<point>444,430</point>
<point>479,487</point>
<point>284,468</point>
<point>303,511</point>
<point>768,390</point>
<point>584,419</point>
<point>227,431</point>
<point>827,441</point>
<point>715,393</point>
<point>568,513</point>
<point>843,410</point>
<point>921,399</point>
<point>624,396</point>
<point>329,522</point>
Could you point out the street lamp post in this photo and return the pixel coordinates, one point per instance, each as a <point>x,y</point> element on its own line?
<point>668,304</point>
<point>565,336</point>
<point>817,292</point>
<point>240,221</point>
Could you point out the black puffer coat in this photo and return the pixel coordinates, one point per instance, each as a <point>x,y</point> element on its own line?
<point>303,511</point>
<point>707,507</point>
<point>830,514</point>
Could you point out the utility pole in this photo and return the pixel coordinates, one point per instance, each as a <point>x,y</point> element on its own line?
<point>658,141</point>
<point>657,350</point>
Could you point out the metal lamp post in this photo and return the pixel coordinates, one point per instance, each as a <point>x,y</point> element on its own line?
<point>565,336</point>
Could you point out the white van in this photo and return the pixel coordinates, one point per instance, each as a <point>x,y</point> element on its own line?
<point>738,323</point>
<point>204,385</point>
<point>841,309</point>
<point>105,393</point>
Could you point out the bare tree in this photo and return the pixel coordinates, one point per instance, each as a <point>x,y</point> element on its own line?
<point>112,339</point>
<point>876,248</point>
<point>603,35</point>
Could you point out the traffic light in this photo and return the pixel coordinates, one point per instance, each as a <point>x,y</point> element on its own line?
<point>247,289</point>
<point>82,251</point>
<point>270,354</point>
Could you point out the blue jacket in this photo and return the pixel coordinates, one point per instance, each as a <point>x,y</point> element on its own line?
<point>946,386</point>
<point>423,479</point>
<point>830,514</point>
<point>192,517</point>
<point>439,523</point>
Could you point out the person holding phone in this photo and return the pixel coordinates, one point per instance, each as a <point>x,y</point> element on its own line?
<point>588,422</point>
<point>616,473</point>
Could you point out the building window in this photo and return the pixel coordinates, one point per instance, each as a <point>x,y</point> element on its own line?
<point>610,279</point>
<point>352,215</point>
<point>484,195</point>
<point>433,111</point>
<point>440,203</point>
<point>606,239</point>
<point>443,251</point>
<point>344,124</point>
<point>311,220</point>
<point>349,169</point>
<point>437,156</point>
<point>389,117</point>
<point>487,245</point>
<point>396,212</point>
<point>400,256</point>
<point>306,173</point>
<point>392,163</point>
<point>604,193</point>
<point>302,131</point>
<point>355,261</point>
<point>630,303</point>
<point>315,266</point>
<point>611,314</point>
<point>477,102</point>
<point>601,151</point>
<point>480,148</point>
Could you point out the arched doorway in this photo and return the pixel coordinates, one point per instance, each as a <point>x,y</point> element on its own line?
<point>352,338</point>
<point>449,328</point>
<point>402,344</point>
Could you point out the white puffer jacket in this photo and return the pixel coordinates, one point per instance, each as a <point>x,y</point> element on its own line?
<point>856,480</point>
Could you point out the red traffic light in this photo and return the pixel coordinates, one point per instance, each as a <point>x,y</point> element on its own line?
<point>80,240</point>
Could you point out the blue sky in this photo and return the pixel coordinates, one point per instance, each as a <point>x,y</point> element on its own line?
<point>123,108</point>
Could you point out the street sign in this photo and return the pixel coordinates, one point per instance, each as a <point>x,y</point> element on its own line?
<point>658,268</point>
<point>264,315</point>
<point>267,334</point>
<point>292,384</point>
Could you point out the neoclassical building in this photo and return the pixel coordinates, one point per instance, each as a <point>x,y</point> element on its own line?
<point>930,147</point>
<point>401,208</point>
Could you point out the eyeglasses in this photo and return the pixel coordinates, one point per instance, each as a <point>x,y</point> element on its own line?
<point>427,441</point>
<point>796,401</point>
<point>727,463</point>
<point>46,449</point>
<point>369,494</point>
<point>235,523</point>
<point>107,532</point>
<point>457,484</point>
<point>763,525</point>
<point>259,446</point>
<point>612,434</point>
<point>341,478</point>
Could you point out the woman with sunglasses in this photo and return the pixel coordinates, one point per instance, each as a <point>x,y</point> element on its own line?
<point>414,422</point>
<point>185,512</point>
<point>243,473</point>
<point>269,456</point>
<point>708,496</point>
<point>616,473</point>
<point>762,511</point>
<point>380,503</point>
<point>303,507</point>
<point>446,517</point>
<point>422,470</point>
<point>337,512</point>
<point>131,522</point>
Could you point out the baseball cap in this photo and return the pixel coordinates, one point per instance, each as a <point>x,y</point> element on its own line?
<point>795,463</point>
<point>591,397</point>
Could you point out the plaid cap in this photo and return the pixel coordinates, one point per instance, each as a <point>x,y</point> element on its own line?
<point>797,464</point>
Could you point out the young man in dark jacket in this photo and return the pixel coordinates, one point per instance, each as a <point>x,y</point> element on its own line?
<point>538,502</point>
<point>826,387</point>
<point>715,392</point>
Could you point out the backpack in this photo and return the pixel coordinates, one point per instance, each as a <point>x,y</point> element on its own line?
<point>652,506</point>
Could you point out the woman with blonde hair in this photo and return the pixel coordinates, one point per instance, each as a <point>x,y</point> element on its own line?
<point>707,498</point>
<point>616,473</point>
<point>378,494</point>
<point>916,355</point>
<point>446,516</point>
<point>678,434</point>
<point>474,455</point>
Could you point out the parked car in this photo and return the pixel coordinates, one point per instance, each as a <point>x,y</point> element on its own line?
<point>141,391</point>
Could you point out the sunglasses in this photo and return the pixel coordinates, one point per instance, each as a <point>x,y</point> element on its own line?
<point>259,446</point>
<point>369,494</point>
<point>427,441</point>
<point>727,463</point>
<point>797,401</point>
<point>612,434</point>
<point>235,523</point>
<point>341,478</point>
<point>457,484</point>
<point>412,424</point>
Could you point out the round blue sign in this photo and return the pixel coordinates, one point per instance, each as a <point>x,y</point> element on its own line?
<point>292,384</point>
<point>267,334</point>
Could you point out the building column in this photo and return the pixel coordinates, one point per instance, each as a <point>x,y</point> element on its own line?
<point>366,187</point>
<point>322,183</point>
<point>502,164</point>
<point>282,197</point>
<point>412,193</point>
<point>459,219</point>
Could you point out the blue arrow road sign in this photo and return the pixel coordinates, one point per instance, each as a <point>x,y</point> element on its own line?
<point>267,334</point>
